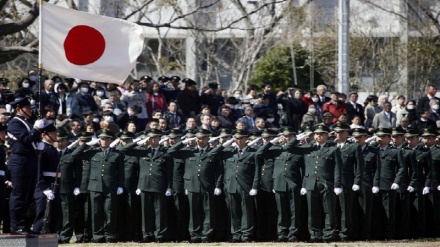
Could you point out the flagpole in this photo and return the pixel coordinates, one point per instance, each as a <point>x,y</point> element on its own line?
<point>40,64</point>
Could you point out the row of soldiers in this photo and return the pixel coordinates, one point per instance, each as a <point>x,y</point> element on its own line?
<point>280,186</point>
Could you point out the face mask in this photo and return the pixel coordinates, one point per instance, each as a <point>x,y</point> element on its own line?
<point>84,90</point>
<point>155,94</point>
<point>26,84</point>
<point>32,102</point>
<point>108,118</point>
<point>410,107</point>
<point>100,93</point>
<point>270,120</point>
<point>95,120</point>
<point>33,77</point>
<point>315,100</point>
<point>435,107</point>
<point>312,110</point>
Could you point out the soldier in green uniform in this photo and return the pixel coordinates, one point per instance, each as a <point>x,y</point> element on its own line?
<point>155,178</point>
<point>421,185</point>
<point>241,182</point>
<point>390,174</point>
<point>433,221</point>
<point>202,180</point>
<point>408,177</point>
<point>322,183</point>
<point>67,186</point>
<point>288,167</point>
<point>266,205</point>
<point>352,170</point>
<point>364,198</point>
<point>105,183</point>
<point>129,204</point>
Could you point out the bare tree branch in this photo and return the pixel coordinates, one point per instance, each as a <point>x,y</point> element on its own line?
<point>28,19</point>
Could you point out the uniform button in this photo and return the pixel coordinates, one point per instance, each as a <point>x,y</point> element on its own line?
<point>263,169</point>
<point>316,162</point>
<point>198,170</point>
<point>262,174</point>
<point>151,169</point>
<point>316,167</point>
<point>285,169</point>
<point>315,172</point>
<point>198,175</point>
<point>151,164</point>
<point>317,179</point>
<point>200,165</point>
<point>102,169</point>
<point>236,176</point>
<point>236,171</point>
<point>150,174</point>
<point>285,174</point>
<point>102,175</point>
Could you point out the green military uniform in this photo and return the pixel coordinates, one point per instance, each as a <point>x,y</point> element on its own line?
<point>390,171</point>
<point>67,186</point>
<point>288,169</point>
<point>129,204</point>
<point>352,170</point>
<point>155,176</point>
<point>241,175</point>
<point>202,175</point>
<point>322,176</point>
<point>106,177</point>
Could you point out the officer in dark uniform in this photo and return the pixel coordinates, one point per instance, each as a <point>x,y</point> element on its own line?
<point>390,174</point>
<point>47,174</point>
<point>364,198</point>
<point>419,187</point>
<point>22,163</point>
<point>352,170</point>
<point>202,180</point>
<point>67,186</point>
<point>322,183</point>
<point>155,176</point>
<point>105,183</point>
<point>180,200</point>
<point>266,213</point>
<point>288,167</point>
<point>433,221</point>
<point>241,182</point>
<point>129,204</point>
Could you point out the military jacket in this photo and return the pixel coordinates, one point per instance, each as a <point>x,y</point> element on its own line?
<point>391,168</point>
<point>352,164</point>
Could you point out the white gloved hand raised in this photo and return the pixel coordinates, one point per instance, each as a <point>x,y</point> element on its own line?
<point>337,191</point>
<point>276,139</point>
<point>115,143</point>
<point>355,187</point>
<point>410,189</point>
<point>395,186</point>
<point>213,139</point>
<point>76,191</point>
<point>73,144</point>
<point>39,124</point>
<point>136,139</point>
<point>169,192</point>
<point>49,193</point>
<point>217,191</point>
<point>163,140</point>
<point>119,191</point>
<point>188,140</point>
<point>228,143</point>
<point>142,142</point>
<point>303,191</point>
<point>40,146</point>
<point>253,192</point>
<point>375,189</point>
<point>93,142</point>
<point>138,191</point>
<point>426,190</point>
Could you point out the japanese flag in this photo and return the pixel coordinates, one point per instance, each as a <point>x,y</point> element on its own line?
<point>88,46</point>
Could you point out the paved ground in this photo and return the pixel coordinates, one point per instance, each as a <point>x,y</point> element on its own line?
<point>419,243</point>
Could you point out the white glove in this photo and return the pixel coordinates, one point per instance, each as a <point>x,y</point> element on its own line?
<point>410,189</point>
<point>368,140</point>
<point>119,191</point>
<point>228,143</point>
<point>40,146</point>
<point>395,186</point>
<point>217,191</point>
<point>187,140</point>
<point>73,144</point>
<point>303,191</point>
<point>375,189</point>
<point>163,140</point>
<point>273,191</point>
<point>355,187</point>
<point>303,136</point>
<point>276,139</point>
<point>168,192</point>
<point>115,143</point>
<point>49,193</point>
<point>425,190</point>
<point>39,124</point>
<point>253,192</point>
<point>438,188</point>
<point>136,139</point>
<point>337,191</point>
<point>76,191</point>
<point>8,107</point>
<point>213,139</point>
<point>142,142</point>
<point>138,191</point>
<point>186,192</point>
<point>92,142</point>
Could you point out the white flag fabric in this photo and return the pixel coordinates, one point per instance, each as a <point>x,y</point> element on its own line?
<point>87,46</point>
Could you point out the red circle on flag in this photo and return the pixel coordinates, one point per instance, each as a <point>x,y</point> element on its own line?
<point>84,45</point>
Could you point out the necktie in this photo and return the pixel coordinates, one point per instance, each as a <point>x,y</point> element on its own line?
<point>201,151</point>
<point>154,152</point>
